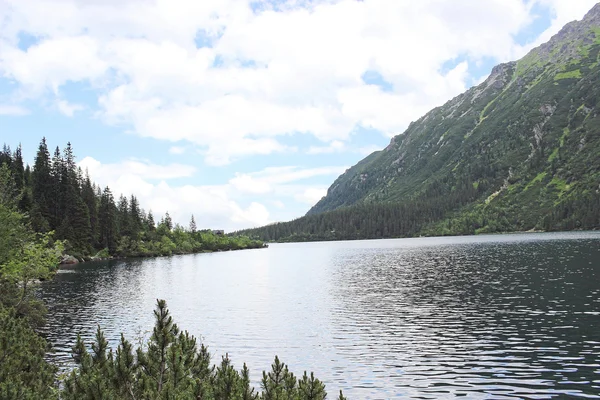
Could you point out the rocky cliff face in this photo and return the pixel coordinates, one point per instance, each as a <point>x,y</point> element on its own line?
<point>525,140</point>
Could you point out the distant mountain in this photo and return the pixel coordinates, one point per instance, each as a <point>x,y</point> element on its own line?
<point>520,151</point>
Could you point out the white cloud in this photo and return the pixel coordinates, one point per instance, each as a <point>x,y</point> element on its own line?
<point>311,195</point>
<point>334,147</point>
<point>366,150</point>
<point>245,183</point>
<point>256,215</point>
<point>67,108</point>
<point>278,179</point>
<point>268,73</point>
<point>15,111</point>
<point>134,168</point>
<point>53,62</point>
<point>289,190</point>
<point>212,206</point>
<point>218,207</point>
<point>278,204</point>
<point>177,150</point>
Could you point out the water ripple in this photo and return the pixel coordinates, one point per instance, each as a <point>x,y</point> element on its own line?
<point>488,317</point>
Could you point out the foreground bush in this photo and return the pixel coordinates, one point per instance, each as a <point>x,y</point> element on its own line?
<point>24,374</point>
<point>172,366</point>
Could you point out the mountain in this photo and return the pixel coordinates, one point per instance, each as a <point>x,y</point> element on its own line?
<point>520,151</point>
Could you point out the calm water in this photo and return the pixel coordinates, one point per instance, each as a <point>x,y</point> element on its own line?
<point>511,316</point>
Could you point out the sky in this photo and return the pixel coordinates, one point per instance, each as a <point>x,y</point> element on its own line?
<point>243,112</point>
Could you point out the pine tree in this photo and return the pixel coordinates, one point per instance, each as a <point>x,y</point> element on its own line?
<point>125,369</point>
<point>247,390</point>
<point>76,226</point>
<point>154,361</point>
<point>123,218</point>
<point>18,168</point>
<point>173,367</point>
<point>42,189</point>
<point>70,165</point>
<point>311,388</point>
<point>6,156</point>
<point>193,227</point>
<point>58,181</point>
<point>88,195</point>
<point>168,222</point>
<point>20,175</point>
<point>151,226</point>
<point>107,215</point>
<point>9,194</point>
<point>73,212</point>
<point>24,373</point>
<point>135,217</point>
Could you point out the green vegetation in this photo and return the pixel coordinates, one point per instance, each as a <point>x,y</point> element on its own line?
<point>57,197</point>
<point>539,178</point>
<point>596,31</point>
<point>575,74</point>
<point>24,256</point>
<point>173,366</point>
<point>560,184</point>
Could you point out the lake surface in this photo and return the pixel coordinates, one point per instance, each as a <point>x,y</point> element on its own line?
<point>502,317</point>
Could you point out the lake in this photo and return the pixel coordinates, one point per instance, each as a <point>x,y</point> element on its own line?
<point>495,316</point>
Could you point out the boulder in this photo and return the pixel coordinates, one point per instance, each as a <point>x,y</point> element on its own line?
<point>67,259</point>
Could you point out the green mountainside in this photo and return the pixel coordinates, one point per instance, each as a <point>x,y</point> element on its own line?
<point>520,151</point>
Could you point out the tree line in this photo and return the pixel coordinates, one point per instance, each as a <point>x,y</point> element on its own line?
<point>57,196</point>
<point>439,211</point>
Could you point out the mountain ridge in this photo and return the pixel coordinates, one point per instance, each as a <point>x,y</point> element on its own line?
<point>554,51</point>
<point>517,152</point>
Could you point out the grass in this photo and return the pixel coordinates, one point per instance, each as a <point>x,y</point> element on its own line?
<point>584,51</point>
<point>553,155</point>
<point>576,74</point>
<point>560,184</point>
<point>482,116</point>
<point>535,180</point>
<point>596,30</point>
<point>566,132</point>
<point>526,63</point>
<point>513,188</point>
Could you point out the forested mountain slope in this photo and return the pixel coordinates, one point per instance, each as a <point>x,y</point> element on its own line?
<point>520,151</point>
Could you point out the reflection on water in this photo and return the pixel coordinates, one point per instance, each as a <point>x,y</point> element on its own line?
<point>512,316</point>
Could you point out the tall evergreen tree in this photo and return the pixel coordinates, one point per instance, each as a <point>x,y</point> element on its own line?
<point>58,180</point>
<point>75,226</point>
<point>135,216</point>
<point>9,194</point>
<point>18,168</point>
<point>107,215</point>
<point>88,195</point>
<point>42,186</point>
<point>6,156</point>
<point>193,227</point>
<point>123,218</point>
<point>151,225</point>
<point>72,213</point>
<point>20,176</point>
<point>168,222</point>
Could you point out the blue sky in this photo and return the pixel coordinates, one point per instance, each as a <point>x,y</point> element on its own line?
<point>244,112</point>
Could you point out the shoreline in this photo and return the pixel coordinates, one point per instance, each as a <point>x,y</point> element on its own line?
<point>72,260</point>
<point>531,231</point>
